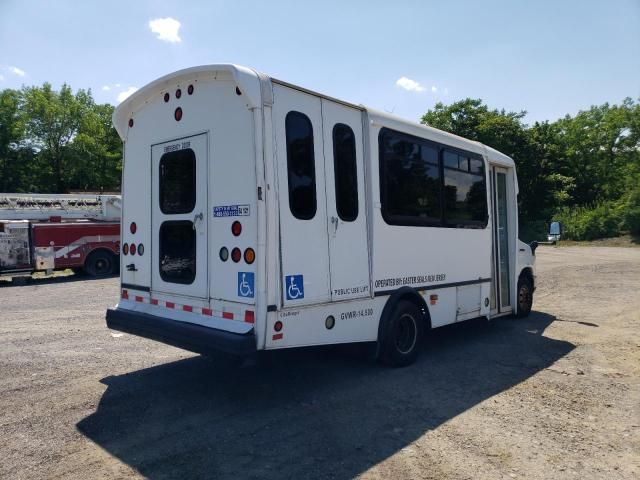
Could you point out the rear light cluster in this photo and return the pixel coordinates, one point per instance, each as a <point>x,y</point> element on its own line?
<point>178,94</point>
<point>177,113</point>
<point>236,253</point>
<point>132,248</point>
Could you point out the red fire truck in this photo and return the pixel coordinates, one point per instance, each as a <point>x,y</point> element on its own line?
<point>49,232</point>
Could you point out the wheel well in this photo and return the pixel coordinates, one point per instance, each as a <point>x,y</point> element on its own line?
<point>407,294</point>
<point>100,250</point>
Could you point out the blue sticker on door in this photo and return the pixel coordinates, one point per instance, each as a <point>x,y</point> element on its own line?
<point>295,287</point>
<point>245,284</point>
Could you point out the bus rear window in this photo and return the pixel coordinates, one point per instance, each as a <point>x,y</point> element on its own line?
<point>178,182</point>
<point>177,252</point>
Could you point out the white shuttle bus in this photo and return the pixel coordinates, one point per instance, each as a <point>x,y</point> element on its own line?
<point>260,215</point>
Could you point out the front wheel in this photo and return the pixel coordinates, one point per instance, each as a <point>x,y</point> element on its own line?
<point>525,296</point>
<point>403,333</point>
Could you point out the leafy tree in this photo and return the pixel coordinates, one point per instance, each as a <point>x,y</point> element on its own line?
<point>52,121</point>
<point>11,134</point>
<point>95,152</point>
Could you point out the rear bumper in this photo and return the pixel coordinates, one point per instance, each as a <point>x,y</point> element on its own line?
<point>189,336</point>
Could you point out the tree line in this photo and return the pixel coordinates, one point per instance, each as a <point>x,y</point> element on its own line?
<point>56,141</point>
<point>582,169</point>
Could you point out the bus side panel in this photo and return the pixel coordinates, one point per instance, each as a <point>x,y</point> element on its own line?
<point>419,256</point>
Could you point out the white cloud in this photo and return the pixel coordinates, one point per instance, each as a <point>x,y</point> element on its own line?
<point>17,71</point>
<point>106,88</point>
<point>434,89</point>
<point>166,29</point>
<point>408,84</point>
<point>1,78</point>
<point>122,96</point>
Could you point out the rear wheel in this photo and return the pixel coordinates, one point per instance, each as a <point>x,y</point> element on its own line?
<point>403,335</point>
<point>525,296</point>
<point>99,263</point>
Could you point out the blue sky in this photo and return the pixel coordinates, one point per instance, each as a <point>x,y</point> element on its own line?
<point>547,57</point>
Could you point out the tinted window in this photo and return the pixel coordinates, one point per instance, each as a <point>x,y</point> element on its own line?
<point>465,197</point>
<point>178,252</point>
<point>178,182</point>
<point>301,166</point>
<point>409,180</point>
<point>345,172</point>
<point>450,159</point>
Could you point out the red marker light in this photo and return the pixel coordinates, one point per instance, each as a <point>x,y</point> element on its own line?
<point>178,93</point>
<point>130,122</point>
<point>277,326</point>
<point>236,254</point>
<point>132,249</point>
<point>236,228</point>
<point>166,97</point>
<point>178,114</point>
<point>190,90</point>
<point>133,228</point>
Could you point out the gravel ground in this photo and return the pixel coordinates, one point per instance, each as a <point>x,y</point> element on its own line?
<point>556,395</point>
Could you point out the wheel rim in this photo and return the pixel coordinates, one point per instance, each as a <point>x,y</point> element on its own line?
<point>524,298</point>
<point>406,332</point>
<point>102,266</point>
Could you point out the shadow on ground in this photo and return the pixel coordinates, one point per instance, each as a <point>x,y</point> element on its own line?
<point>309,413</point>
<point>66,278</point>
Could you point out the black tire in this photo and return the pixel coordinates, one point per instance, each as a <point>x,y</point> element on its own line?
<point>99,264</point>
<point>525,296</point>
<point>402,335</point>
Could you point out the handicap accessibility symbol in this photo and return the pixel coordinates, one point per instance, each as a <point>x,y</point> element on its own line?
<point>295,287</point>
<point>245,284</point>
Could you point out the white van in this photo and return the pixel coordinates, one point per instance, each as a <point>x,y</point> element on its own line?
<point>260,215</point>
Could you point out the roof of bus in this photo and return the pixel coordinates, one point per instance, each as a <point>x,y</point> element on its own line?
<point>250,82</point>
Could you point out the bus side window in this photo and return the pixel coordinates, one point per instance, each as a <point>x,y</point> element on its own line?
<point>465,192</point>
<point>345,172</point>
<point>410,180</point>
<point>301,168</point>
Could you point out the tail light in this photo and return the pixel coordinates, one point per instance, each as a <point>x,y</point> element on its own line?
<point>236,228</point>
<point>132,249</point>
<point>236,254</point>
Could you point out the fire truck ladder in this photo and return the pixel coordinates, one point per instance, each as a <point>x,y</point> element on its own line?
<point>32,206</point>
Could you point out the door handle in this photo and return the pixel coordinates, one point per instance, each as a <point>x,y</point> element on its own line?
<point>334,221</point>
<point>196,218</point>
